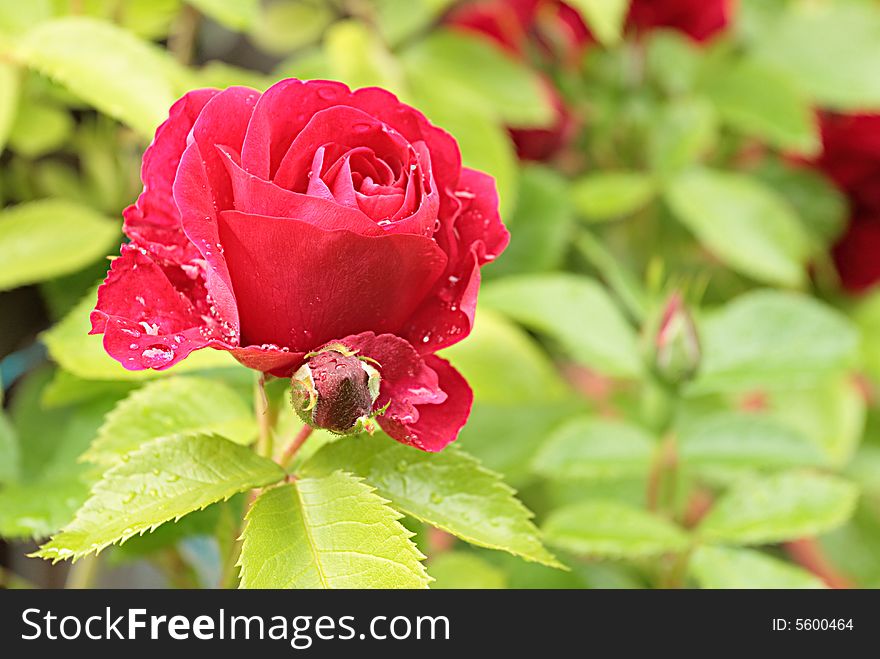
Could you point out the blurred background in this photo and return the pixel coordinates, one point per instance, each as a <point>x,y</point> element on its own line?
<point>684,328</point>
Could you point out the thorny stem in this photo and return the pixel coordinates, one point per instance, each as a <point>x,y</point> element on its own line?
<point>295,444</point>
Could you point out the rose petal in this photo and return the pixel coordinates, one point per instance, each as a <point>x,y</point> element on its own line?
<point>346,126</point>
<point>299,286</point>
<point>406,381</point>
<point>202,186</point>
<point>154,221</point>
<point>415,127</point>
<point>259,197</point>
<point>269,359</point>
<point>440,423</point>
<point>279,116</point>
<point>471,239</point>
<point>146,321</point>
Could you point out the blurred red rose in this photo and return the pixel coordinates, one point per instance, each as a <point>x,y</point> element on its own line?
<point>851,158</point>
<point>272,224</point>
<point>548,30</point>
<point>699,19</point>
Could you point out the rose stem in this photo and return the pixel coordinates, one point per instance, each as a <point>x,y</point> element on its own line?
<point>264,419</point>
<point>183,35</point>
<point>809,554</point>
<point>294,446</point>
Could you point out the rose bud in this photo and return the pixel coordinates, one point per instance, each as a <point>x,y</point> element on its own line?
<point>274,224</point>
<point>676,343</point>
<point>335,390</point>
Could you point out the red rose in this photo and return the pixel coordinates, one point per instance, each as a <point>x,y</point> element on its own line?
<point>857,254</point>
<point>549,29</point>
<point>699,19</point>
<point>851,158</point>
<point>271,225</point>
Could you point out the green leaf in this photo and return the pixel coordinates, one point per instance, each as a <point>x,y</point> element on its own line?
<point>106,66</point>
<point>43,239</point>
<point>730,439</point>
<point>481,78</point>
<point>9,454</point>
<point>399,19</point>
<point>236,15</point>
<point>328,532</point>
<point>540,225</point>
<point>173,406</point>
<point>590,447</point>
<point>866,314</point>
<point>764,103</point>
<point>456,570</point>
<point>502,364</point>
<point>780,507</point>
<point>358,57</point>
<point>163,480</point>
<point>485,145</point>
<point>39,128</point>
<point>611,195</point>
<point>818,202</point>
<point>518,394</point>
<point>773,339</point>
<point>449,490</point>
<point>52,482</point>
<point>605,18</point>
<point>720,567</point>
<point>832,50</point>
<point>82,355</point>
<point>34,509</point>
<point>290,24</point>
<point>745,224</point>
<point>607,529</point>
<point>577,312</point>
<point>17,17</point>
<point>831,415</point>
<point>673,59</point>
<point>9,87</point>
<point>682,133</point>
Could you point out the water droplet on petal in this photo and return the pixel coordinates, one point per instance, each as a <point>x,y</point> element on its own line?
<point>156,356</point>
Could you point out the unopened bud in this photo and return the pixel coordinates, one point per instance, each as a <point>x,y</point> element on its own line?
<point>677,344</point>
<point>335,390</point>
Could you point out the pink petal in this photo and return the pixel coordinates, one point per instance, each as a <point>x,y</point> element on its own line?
<point>346,126</point>
<point>269,359</point>
<point>406,381</point>
<point>473,237</point>
<point>202,186</point>
<point>146,321</point>
<point>258,197</point>
<point>281,113</point>
<point>440,423</point>
<point>154,221</point>
<point>415,127</point>
<point>299,286</point>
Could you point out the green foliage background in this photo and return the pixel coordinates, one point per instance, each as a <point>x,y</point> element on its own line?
<point>720,481</point>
